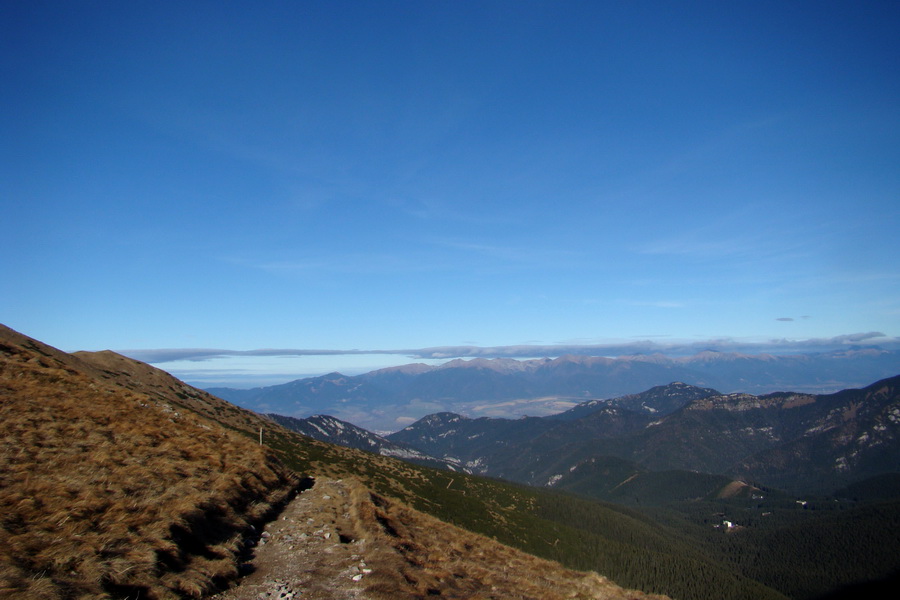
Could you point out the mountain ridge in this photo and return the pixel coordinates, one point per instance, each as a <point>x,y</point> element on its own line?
<point>130,404</point>
<point>107,490</point>
<point>789,440</point>
<point>329,429</point>
<point>191,546</point>
<point>389,399</point>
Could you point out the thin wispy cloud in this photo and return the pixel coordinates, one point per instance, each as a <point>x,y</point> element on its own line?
<point>355,263</point>
<point>658,303</point>
<point>693,246</point>
<point>703,244</point>
<point>726,237</point>
<point>780,346</point>
<point>856,278</point>
<point>517,256</point>
<point>433,210</point>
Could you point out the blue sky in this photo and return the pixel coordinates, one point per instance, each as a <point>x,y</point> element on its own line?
<point>406,175</point>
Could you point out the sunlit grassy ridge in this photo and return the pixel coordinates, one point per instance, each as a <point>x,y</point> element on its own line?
<point>119,479</point>
<point>105,491</point>
<point>417,555</point>
<point>583,534</point>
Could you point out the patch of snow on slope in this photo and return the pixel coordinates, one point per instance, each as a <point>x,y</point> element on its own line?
<point>322,431</point>
<point>401,453</point>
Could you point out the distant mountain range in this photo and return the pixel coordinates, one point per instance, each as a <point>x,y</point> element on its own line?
<point>117,480</point>
<point>389,399</point>
<point>803,443</point>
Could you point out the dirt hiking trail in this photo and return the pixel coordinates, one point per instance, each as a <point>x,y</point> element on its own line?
<point>301,555</point>
<point>339,541</point>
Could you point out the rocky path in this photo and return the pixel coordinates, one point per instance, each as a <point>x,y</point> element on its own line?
<point>307,552</point>
<point>340,541</point>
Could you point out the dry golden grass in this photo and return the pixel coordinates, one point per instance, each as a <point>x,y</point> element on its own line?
<point>415,556</point>
<point>119,481</point>
<point>111,492</point>
<point>164,388</point>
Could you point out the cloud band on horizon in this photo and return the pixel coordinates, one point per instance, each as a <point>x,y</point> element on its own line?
<point>775,346</point>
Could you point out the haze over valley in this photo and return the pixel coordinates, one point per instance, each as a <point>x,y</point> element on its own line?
<point>389,399</point>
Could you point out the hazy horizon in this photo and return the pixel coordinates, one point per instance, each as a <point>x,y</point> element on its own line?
<point>264,367</point>
<point>394,175</point>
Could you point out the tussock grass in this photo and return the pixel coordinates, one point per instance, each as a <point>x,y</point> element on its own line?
<point>113,483</point>
<point>414,556</point>
<point>108,492</point>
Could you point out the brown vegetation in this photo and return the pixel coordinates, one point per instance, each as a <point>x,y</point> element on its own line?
<point>162,387</point>
<point>339,540</point>
<point>119,481</point>
<point>106,491</point>
<point>414,555</point>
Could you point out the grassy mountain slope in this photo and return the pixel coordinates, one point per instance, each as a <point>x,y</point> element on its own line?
<point>115,369</point>
<point>108,491</point>
<point>583,534</point>
<point>624,482</point>
<point>118,480</point>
